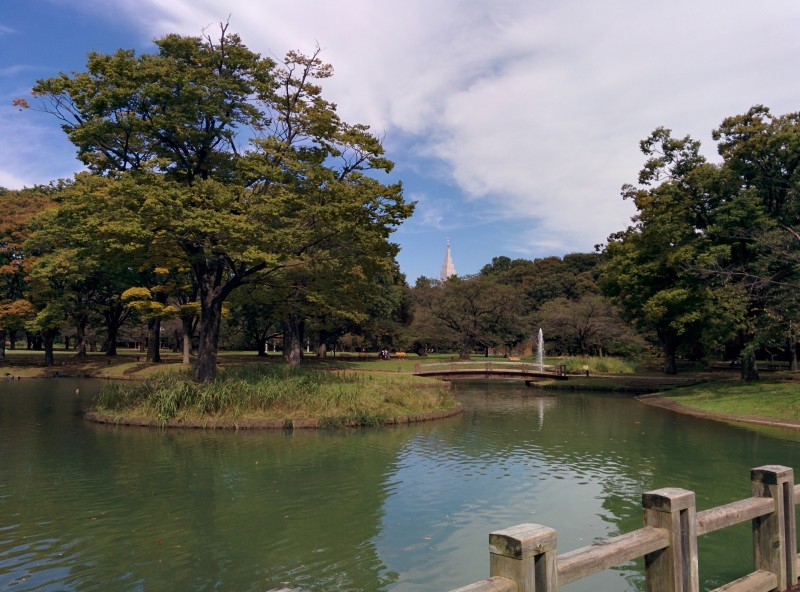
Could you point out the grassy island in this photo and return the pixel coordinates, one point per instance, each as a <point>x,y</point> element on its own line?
<point>279,393</point>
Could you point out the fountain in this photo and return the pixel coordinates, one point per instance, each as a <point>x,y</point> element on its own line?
<point>540,351</point>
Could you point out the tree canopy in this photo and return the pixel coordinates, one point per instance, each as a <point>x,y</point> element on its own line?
<point>234,161</point>
<point>710,261</point>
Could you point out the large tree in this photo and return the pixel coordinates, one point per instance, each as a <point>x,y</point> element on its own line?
<point>756,248</point>
<point>170,129</point>
<point>650,269</point>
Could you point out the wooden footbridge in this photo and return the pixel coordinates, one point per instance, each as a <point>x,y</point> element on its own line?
<point>495,370</point>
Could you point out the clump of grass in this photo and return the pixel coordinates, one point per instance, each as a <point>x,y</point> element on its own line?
<point>277,392</point>
<point>605,365</point>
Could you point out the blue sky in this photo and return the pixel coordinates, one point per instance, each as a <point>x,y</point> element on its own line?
<point>512,123</point>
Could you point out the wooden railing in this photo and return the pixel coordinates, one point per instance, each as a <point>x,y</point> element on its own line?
<point>523,558</point>
<point>493,366</point>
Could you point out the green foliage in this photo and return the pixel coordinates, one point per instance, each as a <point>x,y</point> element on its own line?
<point>164,135</point>
<point>651,269</point>
<point>712,259</point>
<point>587,325</point>
<point>468,312</point>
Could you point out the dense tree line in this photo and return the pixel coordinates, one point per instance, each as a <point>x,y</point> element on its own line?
<point>503,306</point>
<point>225,202</point>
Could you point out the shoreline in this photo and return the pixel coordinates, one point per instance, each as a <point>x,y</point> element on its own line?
<point>642,387</point>
<point>261,424</point>
<point>659,400</point>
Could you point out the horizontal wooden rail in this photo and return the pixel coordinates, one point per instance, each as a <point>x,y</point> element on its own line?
<point>484,364</point>
<point>524,370</point>
<point>758,581</point>
<point>733,513</point>
<point>495,584</point>
<point>583,562</point>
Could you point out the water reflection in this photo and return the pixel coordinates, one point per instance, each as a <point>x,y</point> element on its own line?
<point>89,507</point>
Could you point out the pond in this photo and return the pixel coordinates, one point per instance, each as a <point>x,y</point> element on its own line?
<point>87,507</point>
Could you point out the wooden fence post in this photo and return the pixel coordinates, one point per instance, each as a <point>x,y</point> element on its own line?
<point>673,569</point>
<point>774,535</point>
<point>525,554</point>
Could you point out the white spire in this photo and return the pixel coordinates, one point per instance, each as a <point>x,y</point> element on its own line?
<point>448,268</point>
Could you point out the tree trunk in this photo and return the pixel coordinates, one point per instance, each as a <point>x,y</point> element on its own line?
<point>154,341</point>
<point>261,350</point>
<point>48,338</point>
<point>34,342</point>
<point>793,352</point>
<point>81,321</point>
<point>110,346</point>
<point>205,367</point>
<point>669,345</point>
<point>465,349</point>
<point>188,332</point>
<point>115,316</point>
<point>293,329</point>
<point>749,368</point>
<point>2,344</point>
<point>322,346</point>
<point>12,339</point>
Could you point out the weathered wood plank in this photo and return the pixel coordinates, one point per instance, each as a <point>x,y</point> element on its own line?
<point>733,513</point>
<point>774,538</point>
<point>525,554</point>
<point>495,584</point>
<point>758,581</point>
<point>580,563</point>
<point>675,569</point>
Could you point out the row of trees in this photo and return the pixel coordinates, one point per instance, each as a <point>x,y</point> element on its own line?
<point>503,306</point>
<point>211,170</point>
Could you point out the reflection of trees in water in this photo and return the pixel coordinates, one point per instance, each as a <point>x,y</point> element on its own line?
<point>150,509</point>
<point>302,507</point>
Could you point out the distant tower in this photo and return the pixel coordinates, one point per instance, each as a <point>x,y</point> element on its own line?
<point>448,268</point>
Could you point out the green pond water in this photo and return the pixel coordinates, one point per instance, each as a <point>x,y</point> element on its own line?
<point>85,507</point>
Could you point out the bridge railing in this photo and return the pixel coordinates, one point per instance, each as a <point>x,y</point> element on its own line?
<point>524,558</point>
<point>492,366</point>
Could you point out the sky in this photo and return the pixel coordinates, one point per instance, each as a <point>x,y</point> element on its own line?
<point>513,124</point>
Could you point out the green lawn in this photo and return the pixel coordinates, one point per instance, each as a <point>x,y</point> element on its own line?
<point>764,398</point>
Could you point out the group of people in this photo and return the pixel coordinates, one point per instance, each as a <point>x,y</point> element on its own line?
<point>384,354</point>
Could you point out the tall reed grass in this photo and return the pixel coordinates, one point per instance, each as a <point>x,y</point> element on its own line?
<point>604,365</point>
<point>277,392</point>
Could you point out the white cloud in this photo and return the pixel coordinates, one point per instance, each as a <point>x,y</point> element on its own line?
<point>534,108</point>
<point>36,144</point>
